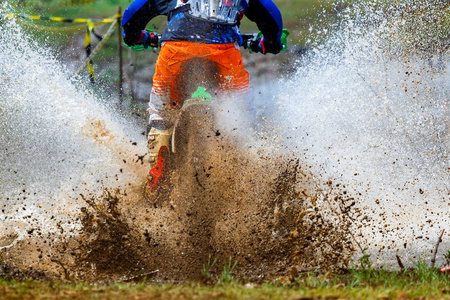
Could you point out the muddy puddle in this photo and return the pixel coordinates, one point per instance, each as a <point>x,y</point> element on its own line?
<point>349,156</point>
<point>223,198</point>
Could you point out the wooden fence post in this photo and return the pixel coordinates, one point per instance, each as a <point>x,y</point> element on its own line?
<point>119,45</point>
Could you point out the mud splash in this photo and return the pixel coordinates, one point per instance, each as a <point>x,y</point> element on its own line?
<point>339,166</point>
<point>222,199</point>
<point>76,211</point>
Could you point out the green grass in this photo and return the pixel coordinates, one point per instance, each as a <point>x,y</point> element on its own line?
<point>425,283</point>
<point>207,269</point>
<point>227,276</point>
<point>362,281</point>
<point>447,257</point>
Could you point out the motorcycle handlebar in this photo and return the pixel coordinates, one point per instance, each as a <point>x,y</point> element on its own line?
<point>250,41</point>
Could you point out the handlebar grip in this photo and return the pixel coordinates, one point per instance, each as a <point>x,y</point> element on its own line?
<point>150,41</point>
<point>251,42</point>
<point>153,41</point>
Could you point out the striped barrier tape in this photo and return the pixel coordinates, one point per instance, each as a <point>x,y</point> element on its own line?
<point>91,24</point>
<point>64,20</point>
<point>88,61</point>
<point>67,3</point>
<point>88,47</point>
<point>65,29</point>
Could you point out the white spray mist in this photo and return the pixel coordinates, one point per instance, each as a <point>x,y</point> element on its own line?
<point>57,140</point>
<point>368,109</point>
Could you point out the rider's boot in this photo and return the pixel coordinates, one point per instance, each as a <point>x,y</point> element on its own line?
<point>158,142</point>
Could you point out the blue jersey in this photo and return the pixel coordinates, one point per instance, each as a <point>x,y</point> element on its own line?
<point>183,27</point>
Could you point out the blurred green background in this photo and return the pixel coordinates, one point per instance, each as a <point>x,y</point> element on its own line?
<point>302,17</point>
<point>298,15</point>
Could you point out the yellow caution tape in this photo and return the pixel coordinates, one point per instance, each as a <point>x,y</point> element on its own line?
<point>65,29</point>
<point>65,20</point>
<point>67,3</point>
<point>91,24</point>
<point>76,2</point>
<point>87,45</point>
<point>88,60</point>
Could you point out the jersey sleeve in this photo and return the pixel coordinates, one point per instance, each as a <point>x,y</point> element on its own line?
<point>267,17</point>
<point>137,15</point>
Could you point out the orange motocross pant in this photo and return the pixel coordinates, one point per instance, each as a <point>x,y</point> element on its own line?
<point>182,67</point>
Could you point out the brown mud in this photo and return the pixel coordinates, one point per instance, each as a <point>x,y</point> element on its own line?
<point>223,198</point>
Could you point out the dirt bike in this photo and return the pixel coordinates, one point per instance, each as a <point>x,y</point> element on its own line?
<point>195,131</point>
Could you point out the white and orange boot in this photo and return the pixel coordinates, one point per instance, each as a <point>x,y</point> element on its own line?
<point>159,147</point>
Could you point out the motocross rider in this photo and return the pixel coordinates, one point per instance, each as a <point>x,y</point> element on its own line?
<point>197,29</point>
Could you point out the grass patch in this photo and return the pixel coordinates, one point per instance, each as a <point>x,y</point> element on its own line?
<point>228,268</point>
<point>362,281</point>
<point>226,276</point>
<point>356,284</point>
<point>207,269</point>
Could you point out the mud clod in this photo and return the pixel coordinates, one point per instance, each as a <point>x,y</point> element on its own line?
<point>108,248</point>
